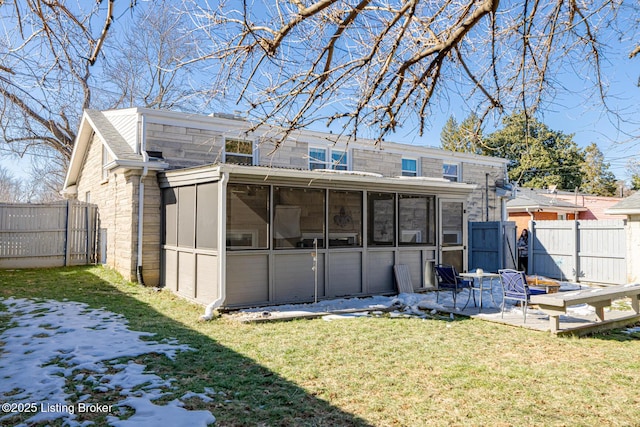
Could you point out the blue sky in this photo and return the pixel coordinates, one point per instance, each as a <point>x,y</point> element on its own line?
<point>576,111</point>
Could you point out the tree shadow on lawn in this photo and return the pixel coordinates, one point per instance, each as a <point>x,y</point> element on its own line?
<point>249,393</point>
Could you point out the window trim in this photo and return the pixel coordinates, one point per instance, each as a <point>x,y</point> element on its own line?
<point>406,172</point>
<point>313,160</point>
<point>449,177</point>
<point>253,150</point>
<point>328,163</point>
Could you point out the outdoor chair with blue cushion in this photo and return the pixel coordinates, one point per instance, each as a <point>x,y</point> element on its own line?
<point>515,288</point>
<point>449,280</point>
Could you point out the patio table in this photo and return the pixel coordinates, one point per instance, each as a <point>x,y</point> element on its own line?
<point>551,286</point>
<point>477,277</point>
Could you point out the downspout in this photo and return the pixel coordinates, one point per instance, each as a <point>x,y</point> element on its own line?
<point>222,250</point>
<point>142,145</point>
<point>530,214</point>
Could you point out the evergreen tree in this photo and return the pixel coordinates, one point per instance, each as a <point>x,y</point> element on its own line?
<point>463,138</point>
<point>449,135</point>
<point>597,178</point>
<point>539,156</point>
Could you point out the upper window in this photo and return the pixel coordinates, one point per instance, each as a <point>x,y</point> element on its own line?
<point>238,151</point>
<point>450,171</point>
<point>339,160</point>
<point>409,167</point>
<point>317,158</point>
<point>323,158</point>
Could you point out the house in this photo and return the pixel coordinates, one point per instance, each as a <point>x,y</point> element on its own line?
<point>531,204</point>
<point>630,208</point>
<point>206,206</point>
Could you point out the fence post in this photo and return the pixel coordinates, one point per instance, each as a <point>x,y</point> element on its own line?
<point>67,231</point>
<point>86,228</point>
<point>576,250</point>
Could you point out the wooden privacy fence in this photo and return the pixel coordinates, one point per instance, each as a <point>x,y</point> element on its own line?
<point>580,251</point>
<point>47,235</point>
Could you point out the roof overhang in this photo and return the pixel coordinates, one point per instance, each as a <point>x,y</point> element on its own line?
<point>540,208</point>
<point>79,149</point>
<point>133,164</point>
<point>324,179</point>
<point>622,211</point>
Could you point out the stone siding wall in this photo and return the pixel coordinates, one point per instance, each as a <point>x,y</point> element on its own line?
<point>113,197</point>
<point>117,201</point>
<point>185,146</point>
<point>290,154</point>
<point>376,161</point>
<point>431,168</point>
<point>152,230</point>
<point>477,201</point>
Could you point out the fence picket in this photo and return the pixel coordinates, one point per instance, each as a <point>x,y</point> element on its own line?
<point>46,235</point>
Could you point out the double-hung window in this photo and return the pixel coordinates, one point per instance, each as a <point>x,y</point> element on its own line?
<point>317,158</point>
<point>339,160</point>
<point>238,151</point>
<point>324,158</point>
<point>451,171</point>
<point>409,167</point>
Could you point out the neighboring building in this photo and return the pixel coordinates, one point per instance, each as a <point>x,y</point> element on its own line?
<point>209,208</point>
<point>551,205</point>
<point>630,208</point>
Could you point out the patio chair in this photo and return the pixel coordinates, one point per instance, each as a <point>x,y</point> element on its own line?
<point>515,288</point>
<point>448,280</point>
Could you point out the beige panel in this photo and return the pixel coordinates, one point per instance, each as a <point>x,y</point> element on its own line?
<point>207,279</point>
<point>169,200</point>
<point>247,279</point>
<point>413,259</point>
<point>170,270</point>
<point>345,274</point>
<point>207,216</point>
<point>380,272</point>
<point>186,216</point>
<point>294,278</point>
<point>186,274</point>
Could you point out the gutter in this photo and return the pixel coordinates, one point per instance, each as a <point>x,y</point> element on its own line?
<point>135,164</point>
<point>222,249</point>
<point>142,145</point>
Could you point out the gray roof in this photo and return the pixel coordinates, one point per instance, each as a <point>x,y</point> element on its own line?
<point>630,205</point>
<point>535,199</point>
<point>111,137</point>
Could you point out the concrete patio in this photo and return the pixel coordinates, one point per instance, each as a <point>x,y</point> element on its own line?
<point>579,320</point>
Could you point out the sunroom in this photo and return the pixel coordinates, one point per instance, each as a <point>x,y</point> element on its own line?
<point>237,236</point>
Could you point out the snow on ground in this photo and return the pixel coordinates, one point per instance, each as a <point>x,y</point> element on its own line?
<point>49,343</point>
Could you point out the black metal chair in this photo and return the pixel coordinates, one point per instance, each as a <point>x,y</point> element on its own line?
<point>448,280</point>
<point>515,288</point>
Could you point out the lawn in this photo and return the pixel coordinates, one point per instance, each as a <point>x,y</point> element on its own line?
<point>365,371</point>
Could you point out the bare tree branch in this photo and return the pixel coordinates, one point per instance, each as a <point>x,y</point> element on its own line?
<point>369,66</point>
